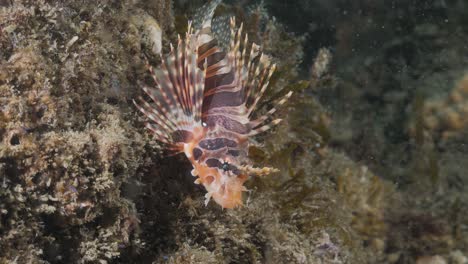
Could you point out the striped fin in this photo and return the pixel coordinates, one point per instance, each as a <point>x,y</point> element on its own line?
<point>176,101</point>
<point>235,83</point>
<point>237,75</point>
<point>261,120</point>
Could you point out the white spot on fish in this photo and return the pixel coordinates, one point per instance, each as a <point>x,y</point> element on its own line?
<point>207,198</point>
<point>187,151</point>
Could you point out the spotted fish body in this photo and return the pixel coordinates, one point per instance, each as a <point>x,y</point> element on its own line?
<point>202,106</point>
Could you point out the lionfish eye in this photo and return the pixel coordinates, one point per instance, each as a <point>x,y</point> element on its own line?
<point>225,166</point>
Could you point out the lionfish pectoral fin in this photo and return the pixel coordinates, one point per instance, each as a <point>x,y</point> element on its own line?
<point>259,126</point>
<point>264,128</point>
<point>257,122</point>
<point>174,108</point>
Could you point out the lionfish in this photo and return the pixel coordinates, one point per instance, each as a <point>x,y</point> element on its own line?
<point>203,103</point>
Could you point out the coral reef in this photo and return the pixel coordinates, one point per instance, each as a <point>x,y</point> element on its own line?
<point>369,154</point>
<point>68,143</point>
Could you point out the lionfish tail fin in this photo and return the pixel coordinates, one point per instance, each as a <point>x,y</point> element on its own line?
<point>175,102</point>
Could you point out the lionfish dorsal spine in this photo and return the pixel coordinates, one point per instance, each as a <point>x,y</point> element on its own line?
<point>233,90</point>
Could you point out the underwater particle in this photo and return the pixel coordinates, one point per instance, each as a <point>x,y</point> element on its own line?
<point>204,107</point>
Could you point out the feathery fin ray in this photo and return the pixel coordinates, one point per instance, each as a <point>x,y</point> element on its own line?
<point>177,98</point>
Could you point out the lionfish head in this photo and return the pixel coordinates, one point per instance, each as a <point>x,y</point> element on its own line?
<point>226,189</point>
<point>222,179</point>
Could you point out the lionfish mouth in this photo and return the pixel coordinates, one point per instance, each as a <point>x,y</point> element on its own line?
<point>228,194</point>
<point>228,200</point>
